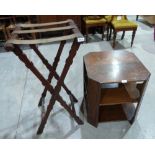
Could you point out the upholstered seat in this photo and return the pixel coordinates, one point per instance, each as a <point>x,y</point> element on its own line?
<point>94,21</point>
<point>108,18</point>
<point>121,23</point>
<point>124,24</point>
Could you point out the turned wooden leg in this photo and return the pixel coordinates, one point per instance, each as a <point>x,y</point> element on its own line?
<point>57,89</point>
<point>133,36</point>
<point>5,35</point>
<point>123,35</point>
<point>110,33</point>
<point>103,29</point>
<point>86,34</point>
<point>107,33</point>
<point>114,38</point>
<point>44,119</point>
<point>137,17</point>
<point>93,30</point>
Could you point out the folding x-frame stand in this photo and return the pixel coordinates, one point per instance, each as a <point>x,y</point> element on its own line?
<point>69,31</point>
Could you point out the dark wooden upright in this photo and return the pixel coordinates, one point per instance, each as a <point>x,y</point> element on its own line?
<point>106,75</point>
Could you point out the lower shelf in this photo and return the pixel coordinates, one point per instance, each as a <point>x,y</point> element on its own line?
<point>111,113</point>
<point>116,112</point>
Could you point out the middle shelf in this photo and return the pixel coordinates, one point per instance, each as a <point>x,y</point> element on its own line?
<point>113,96</point>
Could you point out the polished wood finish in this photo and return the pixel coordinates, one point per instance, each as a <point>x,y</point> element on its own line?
<point>114,98</point>
<point>111,113</point>
<point>113,67</point>
<point>106,96</point>
<point>13,45</point>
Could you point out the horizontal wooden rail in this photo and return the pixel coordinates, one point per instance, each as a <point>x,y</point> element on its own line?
<point>43,30</point>
<point>43,24</point>
<point>40,41</point>
<point>15,39</point>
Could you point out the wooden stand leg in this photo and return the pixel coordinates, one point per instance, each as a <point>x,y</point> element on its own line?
<point>68,63</point>
<point>133,36</point>
<point>44,120</point>
<point>52,70</point>
<point>54,92</point>
<point>72,103</point>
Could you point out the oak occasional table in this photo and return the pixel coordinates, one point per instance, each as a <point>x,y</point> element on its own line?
<point>114,84</point>
<point>61,31</point>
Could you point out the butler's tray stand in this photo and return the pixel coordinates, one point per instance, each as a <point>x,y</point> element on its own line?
<point>26,34</point>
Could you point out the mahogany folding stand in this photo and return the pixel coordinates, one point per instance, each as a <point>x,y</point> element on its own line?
<point>61,32</point>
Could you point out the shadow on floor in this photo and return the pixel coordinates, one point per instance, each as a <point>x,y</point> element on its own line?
<point>106,130</point>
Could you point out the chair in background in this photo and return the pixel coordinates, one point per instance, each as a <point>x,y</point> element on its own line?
<point>17,19</point>
<point>121,23</point>
<point>108,20</point>
<point>92,22</point>
<point>2,29</point>
<point>4,20</point>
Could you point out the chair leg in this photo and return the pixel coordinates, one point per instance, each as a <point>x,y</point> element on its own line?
<point>110,33</point>
<point>123,35</point>
<point>86,34</point>
<point>107,33</point>
<point>103,29</point>
<point>5,35</point>
<point>133,36</point>
<point>93,30</point>
<point>137,17</point>
<point>114,38</point>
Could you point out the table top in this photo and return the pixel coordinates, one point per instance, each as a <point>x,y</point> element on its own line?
<point>115,67</point>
